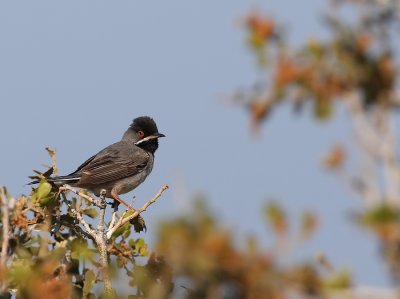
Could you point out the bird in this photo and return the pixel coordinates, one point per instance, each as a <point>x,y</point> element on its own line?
<point>120,167</point>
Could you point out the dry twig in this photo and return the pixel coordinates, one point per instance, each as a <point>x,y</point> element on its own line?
<point>79,217</point>
<point>124,220</point>
<point>6,227</point>
<point>81,194</point>
<point>52,154</point>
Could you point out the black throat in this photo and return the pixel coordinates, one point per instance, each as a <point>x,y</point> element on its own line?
<point>149,146</point>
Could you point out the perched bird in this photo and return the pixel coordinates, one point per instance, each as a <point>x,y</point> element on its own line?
<point>120,167</point>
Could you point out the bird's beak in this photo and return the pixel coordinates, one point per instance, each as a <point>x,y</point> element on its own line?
<point>155,136</point>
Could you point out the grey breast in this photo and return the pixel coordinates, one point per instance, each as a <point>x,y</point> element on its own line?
<point>128,184</point>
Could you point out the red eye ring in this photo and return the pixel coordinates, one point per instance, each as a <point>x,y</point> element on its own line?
<point>141,134</point>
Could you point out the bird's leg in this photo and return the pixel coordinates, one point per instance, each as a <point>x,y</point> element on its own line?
<point>120,200</point>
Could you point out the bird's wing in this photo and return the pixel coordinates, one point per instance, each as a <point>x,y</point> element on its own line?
<point>85,163</point>
<point>115,162</point>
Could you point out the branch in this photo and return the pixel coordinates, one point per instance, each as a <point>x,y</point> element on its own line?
<point>113,217</point>
<point>368,141</point>
<point>52,154</point>
<point>77,229</point>
<point>101,242</point>
<point>391,168</point>
<point>79,217</point>
<point>99,236</point>
<point>81,194</point>
<point>100,225</point>
<point>376,138</point>
<point>6,228</point>
<point>124,220</point>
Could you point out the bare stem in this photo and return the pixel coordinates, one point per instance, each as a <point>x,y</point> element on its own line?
<point>124,220</point>
<point>6,233</point>
<point>79,217</point>
<point>368,142</point>
<point>81,194</point>
<point>52,154</point>
<point>376,138</point>
<point>113,217</point>
<point>101,242</point>
<point>100,225</point>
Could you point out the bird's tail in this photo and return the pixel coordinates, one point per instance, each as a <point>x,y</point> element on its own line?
<point>57,180</point>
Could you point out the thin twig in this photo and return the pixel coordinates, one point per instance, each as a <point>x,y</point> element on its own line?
<point>52,154</point>
<point>79,217</point>
<point>81,194</point>
<point>376,138</point>
<point>77,229</point>
<point>124,220</point>
<point>113,218</point>
<point>391,169</point>
<point>6,227</point>
<point>368,140</point>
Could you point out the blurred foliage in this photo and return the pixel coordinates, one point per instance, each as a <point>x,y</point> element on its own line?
<point>355,64</point>
<point>336,158</point>
<point>208,262</point>
<point>384,221</point>
<point>358,57</point>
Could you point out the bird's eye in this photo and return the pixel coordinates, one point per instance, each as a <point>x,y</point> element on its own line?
<point>141,134</point>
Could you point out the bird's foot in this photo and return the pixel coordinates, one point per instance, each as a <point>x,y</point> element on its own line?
<point>114,204</point>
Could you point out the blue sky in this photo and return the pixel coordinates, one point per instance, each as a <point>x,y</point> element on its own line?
<point>74,74</point>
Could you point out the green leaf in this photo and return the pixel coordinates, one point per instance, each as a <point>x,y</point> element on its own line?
<point>276,217</point>
<point>139,246</point>
<point>128,213</point>
<point>323,109</point>
<point>44,201</point>
<point>80,249</point>
<point>34,250</point>
<point>43,190</point>
<point>21,270</point>
<point>33,198</point>
<point>380,214</point>
<point>143,251</point>
<point>126,233</point>
<point>308,223</point>
<point>121,230</point>
<point>340,280</point>
<point>23,253</point>
<point>91,212</point>
<point>140,242</point>
<point>90,279</point>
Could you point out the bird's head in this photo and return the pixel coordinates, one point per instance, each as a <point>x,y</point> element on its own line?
<point>143,132</point>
